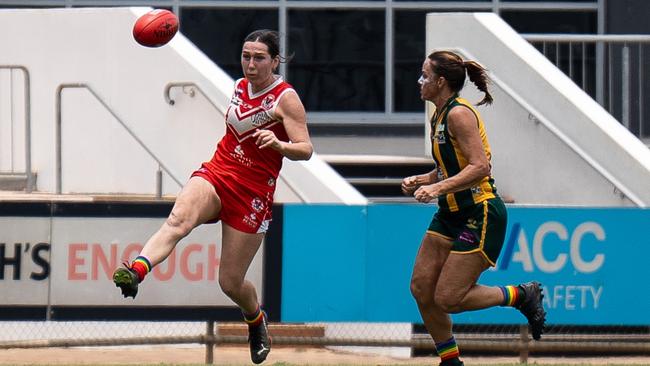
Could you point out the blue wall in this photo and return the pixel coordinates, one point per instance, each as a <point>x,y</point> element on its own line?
<point>353,263</point>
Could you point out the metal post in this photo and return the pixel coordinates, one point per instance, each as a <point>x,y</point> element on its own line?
<point>28,134</point>
<point>610,80</point>
<point>11,120</point>
<point>640,97</point>
<point>570,60</point>
<point>523,342</point>
<point>625,86</point>
<point>284,36</point>
<point>600,56</point>
<point>388,65</point>
<point>584,66</point>
<point>159,183</point>
<point>209,344</point>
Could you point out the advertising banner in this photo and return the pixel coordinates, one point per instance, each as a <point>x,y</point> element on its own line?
<point>592,263</point>
<point>25,265</point>
<point>68,261</point>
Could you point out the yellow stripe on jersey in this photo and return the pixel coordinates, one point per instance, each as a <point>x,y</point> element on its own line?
<point>451,160</point>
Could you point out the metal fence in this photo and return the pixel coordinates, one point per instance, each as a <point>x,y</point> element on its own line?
<point>404,339</point>
<point>610,68</point>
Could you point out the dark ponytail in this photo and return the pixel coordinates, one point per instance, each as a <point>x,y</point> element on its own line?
<point>452,67</point>
<point>478,75</point>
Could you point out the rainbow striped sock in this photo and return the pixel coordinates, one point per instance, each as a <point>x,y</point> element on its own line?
<point>511,295</point>
<point>448,349</point>
<point>255,318</point>
<point>141,265</point>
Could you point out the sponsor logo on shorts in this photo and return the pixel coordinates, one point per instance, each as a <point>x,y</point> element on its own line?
<point>467,237</point>
<point>257,204</point>
<point>250,220</point>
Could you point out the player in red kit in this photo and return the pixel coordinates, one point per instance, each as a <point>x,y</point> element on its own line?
<point>265,122</point>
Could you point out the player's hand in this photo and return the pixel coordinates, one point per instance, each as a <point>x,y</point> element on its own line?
<point>265,139</point>
<point>426,194</point>
<point>409,185</point>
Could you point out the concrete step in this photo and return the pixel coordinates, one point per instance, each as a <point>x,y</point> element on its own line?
<point>13,181</point>
<point>378,177</point>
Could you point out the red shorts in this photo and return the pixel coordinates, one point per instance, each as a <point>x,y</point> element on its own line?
<point>243,207</point>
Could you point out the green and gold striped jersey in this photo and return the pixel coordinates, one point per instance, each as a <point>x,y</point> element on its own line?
<point>450,160</point>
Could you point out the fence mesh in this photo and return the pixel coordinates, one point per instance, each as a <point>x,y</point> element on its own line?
<point>392,339</point>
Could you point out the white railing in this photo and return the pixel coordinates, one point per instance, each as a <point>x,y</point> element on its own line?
<point>610,68</point>
<point>59,141</point>
<point>29,187</point>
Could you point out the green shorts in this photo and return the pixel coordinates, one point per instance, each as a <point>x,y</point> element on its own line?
<point>479,228</point>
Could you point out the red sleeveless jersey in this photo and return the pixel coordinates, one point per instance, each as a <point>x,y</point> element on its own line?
<point>237,155</point>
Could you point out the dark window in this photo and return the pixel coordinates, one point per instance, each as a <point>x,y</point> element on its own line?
<point>219,33</point>
<point>339,59</point>
<point>552,21</point>
<point>408,55</point>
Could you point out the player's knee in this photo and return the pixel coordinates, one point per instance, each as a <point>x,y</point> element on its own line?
<point>229,286</point>
<point>447,300</point>
<point>422,291</point>
<point>178,225</point>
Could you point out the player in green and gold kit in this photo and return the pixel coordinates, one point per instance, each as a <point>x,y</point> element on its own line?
<point>466,234</point>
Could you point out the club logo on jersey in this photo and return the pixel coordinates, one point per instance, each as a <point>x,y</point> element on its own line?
<point>440,174</point>
<point>439,138</point>
<point>257,204</point>
<point>267,103</point>
<point>476,190</point>
<point>439,135</point>
<point>270,182</point>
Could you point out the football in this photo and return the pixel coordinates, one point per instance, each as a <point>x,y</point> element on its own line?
<point>155,28</point>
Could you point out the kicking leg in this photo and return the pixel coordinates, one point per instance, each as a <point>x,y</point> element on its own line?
<point>197,203</point>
